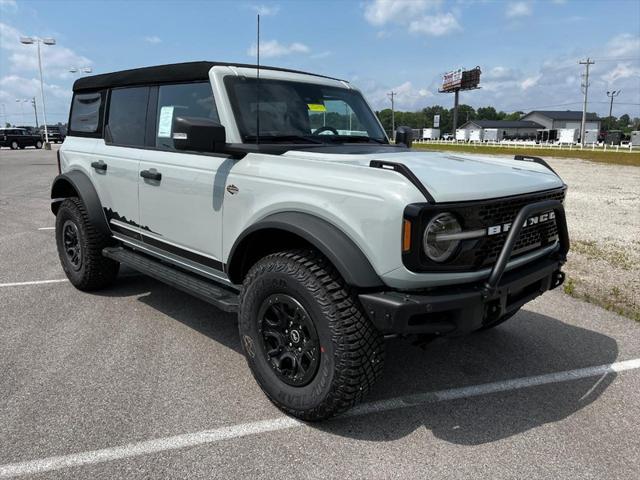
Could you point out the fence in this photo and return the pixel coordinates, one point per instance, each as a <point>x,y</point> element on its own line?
<point>601,147</point>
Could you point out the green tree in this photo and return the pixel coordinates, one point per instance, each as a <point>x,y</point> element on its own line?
<point>488,113</point>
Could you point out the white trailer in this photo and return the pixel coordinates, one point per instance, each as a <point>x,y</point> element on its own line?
<point>567,135</point>
<point>635,138</point>
<point>462,134</point>
<point>492,134</point>
<point>430,133</point>
<point>591,136</point>
<point>476,135</point>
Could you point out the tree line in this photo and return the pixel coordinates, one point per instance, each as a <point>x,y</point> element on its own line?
<point>424,118</point>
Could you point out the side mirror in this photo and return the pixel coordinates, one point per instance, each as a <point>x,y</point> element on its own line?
<point>404,135</point>
<point>197,134</point>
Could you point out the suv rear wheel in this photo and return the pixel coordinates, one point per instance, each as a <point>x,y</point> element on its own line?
<point>306,339</point>
<point>80,248</point>
<point>14,145</point>
<point>38,144</point>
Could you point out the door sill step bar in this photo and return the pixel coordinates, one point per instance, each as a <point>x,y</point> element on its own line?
<point>221,297</point>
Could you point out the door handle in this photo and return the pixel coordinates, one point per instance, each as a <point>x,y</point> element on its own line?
<point>151,174</point>
<point>99,165</point>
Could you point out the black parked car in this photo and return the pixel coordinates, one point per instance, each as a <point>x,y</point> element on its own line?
<point>56,134</point>
<point>19,138</point>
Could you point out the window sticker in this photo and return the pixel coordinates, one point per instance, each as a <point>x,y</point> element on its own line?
<point>166,120</point>
<point>316,107</point>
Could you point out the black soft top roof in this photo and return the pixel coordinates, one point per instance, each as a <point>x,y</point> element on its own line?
<point>174,72</point>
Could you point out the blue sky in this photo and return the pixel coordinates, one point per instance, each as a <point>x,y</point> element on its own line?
<point>528,50</point>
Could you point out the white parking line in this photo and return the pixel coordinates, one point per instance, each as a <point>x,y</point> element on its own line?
<point>35,282</point>
<point>283,423</point>
<point>47,228</point>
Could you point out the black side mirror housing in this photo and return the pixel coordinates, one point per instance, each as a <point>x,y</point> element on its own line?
<point>198,134</point>
<point>404,136</point>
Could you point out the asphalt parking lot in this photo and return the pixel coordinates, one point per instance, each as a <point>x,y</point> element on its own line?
<point>143,381</point>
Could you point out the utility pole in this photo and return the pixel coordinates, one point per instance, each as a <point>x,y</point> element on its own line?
<point>35,110</point>
<point>612,95</point>
<point>585,86</point>
<point>391,95</point>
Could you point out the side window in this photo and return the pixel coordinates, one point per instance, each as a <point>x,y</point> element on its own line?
<point>182,100</point>
<point>85,112</point>
<point>127,116</point>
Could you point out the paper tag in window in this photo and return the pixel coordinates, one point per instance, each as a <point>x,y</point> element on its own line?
<point>317,107</point>
<point>165,122</point>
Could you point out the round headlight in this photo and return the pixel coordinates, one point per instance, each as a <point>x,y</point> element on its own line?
<point>437,245</point>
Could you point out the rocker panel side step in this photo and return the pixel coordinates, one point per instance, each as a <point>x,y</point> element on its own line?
<point>222,298</point>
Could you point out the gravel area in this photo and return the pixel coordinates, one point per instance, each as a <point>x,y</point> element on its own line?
<point>603,212</point>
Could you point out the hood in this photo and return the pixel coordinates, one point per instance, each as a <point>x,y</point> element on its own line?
<point>453,177</point>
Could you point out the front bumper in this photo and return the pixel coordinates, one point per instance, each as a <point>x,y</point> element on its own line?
<point>456,311</point>
<point>463,309</point>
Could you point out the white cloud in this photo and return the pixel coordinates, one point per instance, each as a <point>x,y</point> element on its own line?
<point>435,25</point>
<point>381,12</point>
<point>623,45</point>
<point>518,9</point>
<point>153,39</point>
<point>19,76</point>
<point>419,16</point>
<point>56,59</point>
<point>273,48</point>
<point>530,81</point>
<point>266,10</point>
<point>408,96</point>
<point>8,5</point>
<point>325,54</point>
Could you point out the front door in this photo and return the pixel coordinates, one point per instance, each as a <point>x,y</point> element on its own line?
<point>115,160</point>
<point>181,193</point>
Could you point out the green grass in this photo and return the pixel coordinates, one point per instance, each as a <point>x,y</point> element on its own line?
<point>614,301</point>
<point>618,158</point>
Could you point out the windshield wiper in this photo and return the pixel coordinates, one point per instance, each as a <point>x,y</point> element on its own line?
<point>282,138</point>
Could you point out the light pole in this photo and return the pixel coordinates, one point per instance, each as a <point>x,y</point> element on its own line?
<point>80,70</point>
<point>612,95</point>
<point>38,41</point>
<point>21,102</point>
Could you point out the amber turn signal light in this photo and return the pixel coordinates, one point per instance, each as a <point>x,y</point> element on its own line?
<point>406,235</point>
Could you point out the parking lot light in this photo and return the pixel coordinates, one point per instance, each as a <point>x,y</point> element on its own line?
<point>38,41</point>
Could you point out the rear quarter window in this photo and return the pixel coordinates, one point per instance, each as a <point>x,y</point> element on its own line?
<point>86,114</point>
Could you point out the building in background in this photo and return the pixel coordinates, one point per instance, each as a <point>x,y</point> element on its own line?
<point>506,129</point>
<point>555,120</point>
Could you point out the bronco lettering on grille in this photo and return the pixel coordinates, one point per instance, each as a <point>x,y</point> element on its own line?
<point>505,227</point>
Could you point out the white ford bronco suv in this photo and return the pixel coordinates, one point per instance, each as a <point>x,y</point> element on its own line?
<point>276,194</point>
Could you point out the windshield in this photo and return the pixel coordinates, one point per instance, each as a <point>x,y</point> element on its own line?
<point>297,112</point>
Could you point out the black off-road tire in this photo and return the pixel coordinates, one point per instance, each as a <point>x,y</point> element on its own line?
<point>499,321</point>
<point>94,270</point>
<point>351,349</point>
<point>14,145</point>
<point>38,145</point>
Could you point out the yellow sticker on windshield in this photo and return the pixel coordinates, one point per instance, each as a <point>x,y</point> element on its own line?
<point>317,107</point>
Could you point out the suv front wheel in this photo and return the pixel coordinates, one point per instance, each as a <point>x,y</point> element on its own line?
<point>307,341</point>
<point>80,248</point>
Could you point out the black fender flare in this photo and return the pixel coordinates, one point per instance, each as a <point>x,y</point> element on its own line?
<point>334,244</point>
<point>77,183</point>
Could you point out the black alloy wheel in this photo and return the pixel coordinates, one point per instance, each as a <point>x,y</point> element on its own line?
<point>72,246</point>
<point>289,339</point>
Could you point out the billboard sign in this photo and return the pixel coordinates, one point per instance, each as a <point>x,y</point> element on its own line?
<point>460,80</point>
<point>452,80</point>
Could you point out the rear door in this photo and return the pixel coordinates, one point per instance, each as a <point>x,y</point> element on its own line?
<point>116,158</point>
<point>181,208</point>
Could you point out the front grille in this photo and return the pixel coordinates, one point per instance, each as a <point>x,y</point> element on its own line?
<point>531,238</point>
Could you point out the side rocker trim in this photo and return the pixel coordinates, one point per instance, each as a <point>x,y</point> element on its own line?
<point>81,184</point>
<point>341,251</point>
